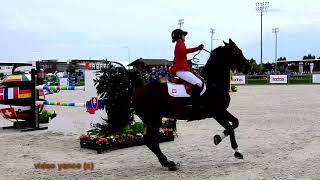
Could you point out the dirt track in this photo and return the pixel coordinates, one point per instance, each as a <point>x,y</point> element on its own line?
<point>279,135</point>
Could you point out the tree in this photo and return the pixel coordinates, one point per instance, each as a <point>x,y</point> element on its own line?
<point>282,59</point>
<point>254,67</point>
<point>268,66</point>
<point>115,85</point>
<point>1,76</point>
<point>309,56</point>
<point>73,67</point>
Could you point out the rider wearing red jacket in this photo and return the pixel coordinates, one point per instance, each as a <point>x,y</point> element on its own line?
<point>180,67</point>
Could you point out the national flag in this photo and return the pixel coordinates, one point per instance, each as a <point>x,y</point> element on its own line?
<point>94,104</point>
<point>41,92</point>
<point>1,94</point>
<point>9,113</point>
<point>11,93</point>
<point>24,92</point>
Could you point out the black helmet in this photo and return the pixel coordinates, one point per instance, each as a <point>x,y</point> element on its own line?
<point>175,35</point>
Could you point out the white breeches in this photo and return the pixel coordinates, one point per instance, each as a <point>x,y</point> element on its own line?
<point>189,77</point>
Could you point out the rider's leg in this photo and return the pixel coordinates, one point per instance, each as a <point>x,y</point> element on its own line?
<point>195,94</point>
<point>189,77</point>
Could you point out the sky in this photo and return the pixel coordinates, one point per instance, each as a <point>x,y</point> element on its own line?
<point>124,30</point>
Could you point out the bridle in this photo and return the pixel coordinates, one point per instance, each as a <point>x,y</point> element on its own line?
<point>196,60</point>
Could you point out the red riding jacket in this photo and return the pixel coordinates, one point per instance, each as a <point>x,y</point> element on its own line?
<point>180,62</point>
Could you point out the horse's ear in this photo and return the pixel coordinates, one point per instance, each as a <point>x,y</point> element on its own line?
<point>226,44</point>
<point>230,41</point>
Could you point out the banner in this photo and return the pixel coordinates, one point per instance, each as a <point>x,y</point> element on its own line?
<point>316,78</point>
<point>278,79</point>
<point>238,80</point>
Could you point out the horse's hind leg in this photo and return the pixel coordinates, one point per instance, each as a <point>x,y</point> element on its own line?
<point>223,119</point>
<point>152,142</point>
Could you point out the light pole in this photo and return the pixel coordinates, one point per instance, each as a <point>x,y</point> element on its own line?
<point>180,23</point>
<point>275,31</point>
<point>261,7</point>
<point>212,31</point>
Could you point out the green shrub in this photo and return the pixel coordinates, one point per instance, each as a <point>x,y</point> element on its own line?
<point>45,116</point>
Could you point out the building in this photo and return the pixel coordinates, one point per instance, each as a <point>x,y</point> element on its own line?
<point>147,64</point>
<point>7,68</point>
<point>299,66</point>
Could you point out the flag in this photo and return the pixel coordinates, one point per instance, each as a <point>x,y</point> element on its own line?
<point>24,92</point>
<point>9,113</point>
<point>11,93</point>
<point>94,104</point>
<point>1,94</point>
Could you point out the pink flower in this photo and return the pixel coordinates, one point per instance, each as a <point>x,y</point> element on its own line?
<point>103,139</point>
<point>84,136</point>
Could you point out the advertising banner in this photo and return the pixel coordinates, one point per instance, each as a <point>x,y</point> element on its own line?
<point>278,79</point>
<point>238,80</point>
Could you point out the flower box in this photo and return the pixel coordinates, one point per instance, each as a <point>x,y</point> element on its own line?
<point>115,142</point>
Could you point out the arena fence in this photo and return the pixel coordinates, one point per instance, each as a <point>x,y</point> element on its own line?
<point>275,79</point>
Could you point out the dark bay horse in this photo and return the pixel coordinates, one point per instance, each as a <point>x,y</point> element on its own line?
<point>152,102</point>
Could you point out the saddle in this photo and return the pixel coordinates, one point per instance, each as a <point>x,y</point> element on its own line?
<point>180,88</point>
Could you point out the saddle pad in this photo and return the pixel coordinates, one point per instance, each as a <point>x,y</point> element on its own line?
<point>178,90</point>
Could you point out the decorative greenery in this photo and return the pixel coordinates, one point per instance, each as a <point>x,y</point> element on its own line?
<point>126,137</point>
<point>45,116</point>
<point>115,84</point>
<point>234,88</point>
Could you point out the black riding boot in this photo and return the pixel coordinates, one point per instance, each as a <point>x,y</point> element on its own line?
<point>195,98</point>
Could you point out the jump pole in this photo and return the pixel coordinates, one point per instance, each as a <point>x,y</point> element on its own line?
<point>62,88</point>
<point>68,104</point>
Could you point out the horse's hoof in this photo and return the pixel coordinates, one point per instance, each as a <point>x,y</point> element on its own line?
<point>238,155</point>
<point>217,139</point>
<point>173,166</point>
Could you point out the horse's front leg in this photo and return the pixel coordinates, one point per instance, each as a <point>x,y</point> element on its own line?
<point>223,119</point>
<point>152,142</point>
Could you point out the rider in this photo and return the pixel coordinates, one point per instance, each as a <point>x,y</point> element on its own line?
<point>180,67</point>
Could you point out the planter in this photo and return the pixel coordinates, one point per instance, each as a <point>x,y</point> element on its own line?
<point>111,143</point>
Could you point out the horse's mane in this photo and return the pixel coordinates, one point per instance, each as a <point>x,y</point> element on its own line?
<point>211,60</point>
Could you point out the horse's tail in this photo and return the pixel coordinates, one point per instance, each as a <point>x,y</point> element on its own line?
<point>116,85</point>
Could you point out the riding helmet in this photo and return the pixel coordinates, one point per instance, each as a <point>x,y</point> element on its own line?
<point>175,35</point>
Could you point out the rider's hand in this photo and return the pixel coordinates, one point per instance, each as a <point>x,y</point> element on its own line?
<point>200,47</point>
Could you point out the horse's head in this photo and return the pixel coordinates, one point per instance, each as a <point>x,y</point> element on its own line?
<point>236,59</point>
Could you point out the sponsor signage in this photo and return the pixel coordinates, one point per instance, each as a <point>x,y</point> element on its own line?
<point>278,79</point>
<point>238,80</point>
<point>316,78</point>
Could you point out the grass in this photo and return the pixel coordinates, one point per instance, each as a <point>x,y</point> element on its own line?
<point>290,81</point>
<point>257,81</point>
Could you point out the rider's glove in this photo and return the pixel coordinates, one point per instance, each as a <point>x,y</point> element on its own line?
<point>200,47</point>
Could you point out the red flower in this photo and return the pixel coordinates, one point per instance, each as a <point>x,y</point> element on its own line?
<point>116,136</point>
<point>103,139</point>
<point>84,136</point>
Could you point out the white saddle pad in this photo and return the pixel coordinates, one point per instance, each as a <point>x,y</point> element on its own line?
<point>178,90</point>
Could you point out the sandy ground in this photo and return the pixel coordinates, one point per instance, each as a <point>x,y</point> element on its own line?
<point>279,135</point>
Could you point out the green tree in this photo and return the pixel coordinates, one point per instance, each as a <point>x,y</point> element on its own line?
<point>282,59</point>
<point>309,56</point>
<point>254,67</point>
<point>267,66</point>
<point>73,67</point>
<point>115,85</point>
<point>1,76</point>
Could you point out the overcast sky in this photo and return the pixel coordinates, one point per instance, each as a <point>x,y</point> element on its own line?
<point>119,29</point>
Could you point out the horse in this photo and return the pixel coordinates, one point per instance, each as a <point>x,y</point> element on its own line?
<point>152,102</point>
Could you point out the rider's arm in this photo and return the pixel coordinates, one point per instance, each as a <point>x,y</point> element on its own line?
<point>191,50</point>
<point>181,48</point>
